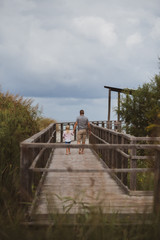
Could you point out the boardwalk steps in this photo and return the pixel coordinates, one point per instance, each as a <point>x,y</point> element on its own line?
<point>73,194</point>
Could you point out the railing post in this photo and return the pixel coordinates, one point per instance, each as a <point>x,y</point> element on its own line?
<point>111,125</point>
<point>156,206</point>
<point>105,151</point>
<point>115,126</point>
<point>133,164</point>
<point>25,173</point>
<point>75,132</point>
<point>112,153</point>
<point>109,151</point>
<point>119,157</point>
<point>119,126</point>
<point>61,131</point>
<point>55,134</point>
<point>124,163</point>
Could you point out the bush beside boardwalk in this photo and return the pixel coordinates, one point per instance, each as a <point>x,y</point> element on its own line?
<point>18,120</point>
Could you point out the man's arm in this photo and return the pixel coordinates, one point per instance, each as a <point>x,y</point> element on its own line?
<point>89,127</point>
<point>75,126</point>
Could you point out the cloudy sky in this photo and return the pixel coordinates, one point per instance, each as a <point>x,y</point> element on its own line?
<point>61,53</point>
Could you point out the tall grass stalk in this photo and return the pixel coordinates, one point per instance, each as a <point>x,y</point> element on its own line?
<point>89,227</point>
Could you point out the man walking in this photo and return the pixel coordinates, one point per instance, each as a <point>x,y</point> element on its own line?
<point>82,123</point>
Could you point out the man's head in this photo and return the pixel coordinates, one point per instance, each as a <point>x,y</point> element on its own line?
<point>81,112</point>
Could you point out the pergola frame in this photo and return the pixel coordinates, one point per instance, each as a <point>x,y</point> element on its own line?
<point>119,91</point>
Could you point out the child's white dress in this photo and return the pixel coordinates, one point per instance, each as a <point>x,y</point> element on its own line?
<point>67,136</point>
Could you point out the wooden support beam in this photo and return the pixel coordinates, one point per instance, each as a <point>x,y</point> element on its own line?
<point>118,117</point>
<point>61,131</point>
<point>156,206</point>
<point>109,104</point>
<point>133,164</point>
<point>25,174</point>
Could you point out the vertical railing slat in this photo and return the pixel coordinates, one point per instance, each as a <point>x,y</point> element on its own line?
<point>156,202</point>
<point>133,164</point>
<point>25,173</point>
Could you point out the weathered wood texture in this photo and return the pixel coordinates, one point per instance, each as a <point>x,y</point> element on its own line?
<point>120,157</point>
<point>110,124</point>
<point>157,185</point>
<point>90,183</point>
<point>30,156</point>
<point>72,192</point>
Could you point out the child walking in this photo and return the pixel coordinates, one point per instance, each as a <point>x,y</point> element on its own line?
<point>67,138</point>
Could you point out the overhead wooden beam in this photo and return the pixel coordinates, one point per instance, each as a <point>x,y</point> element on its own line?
<point>120,90</point>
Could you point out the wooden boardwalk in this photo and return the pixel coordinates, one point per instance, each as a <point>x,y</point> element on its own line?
<point>79,192</point>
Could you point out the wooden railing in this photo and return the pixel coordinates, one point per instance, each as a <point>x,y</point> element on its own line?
<point>116,149</point>
<point>31,157</point>
<point>113,125</point>
<point>122,158</point>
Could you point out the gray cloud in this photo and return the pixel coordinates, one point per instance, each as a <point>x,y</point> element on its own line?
<point>67,109</point>
<point>71,49</point>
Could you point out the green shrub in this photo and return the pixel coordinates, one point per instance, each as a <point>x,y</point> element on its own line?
<point>18,121</point>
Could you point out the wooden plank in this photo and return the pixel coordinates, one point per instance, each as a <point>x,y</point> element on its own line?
<point>105,209</point>
<point>141,193</point>
<point>115,198</point>
<point>147,139</point>
<point>96,189</point>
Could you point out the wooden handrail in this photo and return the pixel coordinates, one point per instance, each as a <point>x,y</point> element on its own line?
<point>27,156</point>
<point>98,146</point>
<point>41,152</point>
<point>116,170</point>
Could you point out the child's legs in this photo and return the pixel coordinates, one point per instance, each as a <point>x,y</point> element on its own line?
<point>67,150</point>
